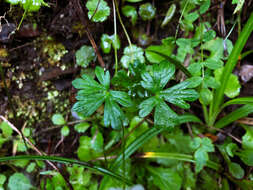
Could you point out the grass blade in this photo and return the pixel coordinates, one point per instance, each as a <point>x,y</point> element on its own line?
<point>66,161</point>
<point>133,147</point>
<point>235,115</point>
<point>179,157</point>
<point>243,100</point>
<point>232,61</point>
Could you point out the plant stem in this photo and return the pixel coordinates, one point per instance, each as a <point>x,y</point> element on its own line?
<point>115,37</point>
<point>205,113</point>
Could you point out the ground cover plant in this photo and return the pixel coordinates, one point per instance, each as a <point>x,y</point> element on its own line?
<point>134,94</point>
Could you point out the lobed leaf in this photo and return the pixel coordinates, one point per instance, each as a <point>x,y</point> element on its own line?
<point>104,79</point>
<point>166,178</point>
<point>165,116</point>
<point>88,104</point>
<point>159,77</point>
<point>113,115</point>
<point>178,97</point>
<point>122,98</point>
<point>147,106</point>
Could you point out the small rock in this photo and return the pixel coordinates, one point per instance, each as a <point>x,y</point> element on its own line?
<point>6,33</point>
<point>246,72</point>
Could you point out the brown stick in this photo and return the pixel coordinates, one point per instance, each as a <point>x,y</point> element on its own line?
<point>81,16</point>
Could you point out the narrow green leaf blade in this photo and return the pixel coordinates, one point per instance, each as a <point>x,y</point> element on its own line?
<point>235,115</point>
<point>232,61</point>
<point>133,147</point>
<point>66,161</point>
<point>243,100</point>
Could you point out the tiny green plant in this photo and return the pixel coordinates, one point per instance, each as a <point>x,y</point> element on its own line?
<point>159,118</point>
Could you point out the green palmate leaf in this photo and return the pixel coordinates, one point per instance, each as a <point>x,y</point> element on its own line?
<point>236,170</point>
<point>92,95</point>
<point>121,98</point>
<point>165,116</point>
<point>202,147</point>
<point>58,119</point>
<point>178,94</point>
<point>247,139</point>
<point>165,178</point>
<point>158,77</point>
<point>85,55</point>
<point>88,85</point>
<point>147,11</point>
<point>88,104</point>
<point>98,10</point>
<point>113,115</point>
<point>130,11</point>
<point>147,106</point>
<point>131,54</point>
<point>233,87</point>
<point>19,181</point>
<point>235,115</point>
<point>155,80</point>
